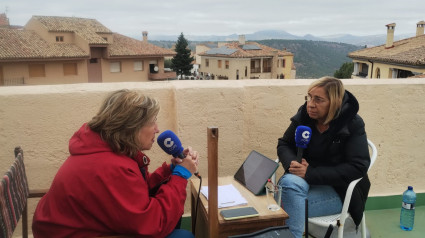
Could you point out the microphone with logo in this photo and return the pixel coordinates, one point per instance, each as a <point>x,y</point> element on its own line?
<point>170,143</point>
<point>302,138</point>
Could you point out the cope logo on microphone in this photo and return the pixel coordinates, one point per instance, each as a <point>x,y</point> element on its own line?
<point>168,142</point>
<point>306,134</point>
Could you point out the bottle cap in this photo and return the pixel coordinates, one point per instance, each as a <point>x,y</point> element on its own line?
<point>410,188</point>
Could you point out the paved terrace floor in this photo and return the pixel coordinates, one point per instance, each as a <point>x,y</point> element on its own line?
<point>382,223</point>
<point>385,223</point>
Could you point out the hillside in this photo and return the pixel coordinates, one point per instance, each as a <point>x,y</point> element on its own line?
<point>313,59</point>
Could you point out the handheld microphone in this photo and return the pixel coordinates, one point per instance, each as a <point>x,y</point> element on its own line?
<point>302,138</point>
<point>170,143</point>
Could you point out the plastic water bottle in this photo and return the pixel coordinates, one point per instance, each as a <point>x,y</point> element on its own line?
<point>407,215</point>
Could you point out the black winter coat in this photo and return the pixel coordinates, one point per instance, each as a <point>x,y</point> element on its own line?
<point>341,157</point>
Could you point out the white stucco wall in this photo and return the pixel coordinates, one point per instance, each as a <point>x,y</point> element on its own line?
<point>250,115</point>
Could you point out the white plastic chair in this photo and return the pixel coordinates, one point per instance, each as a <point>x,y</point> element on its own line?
<point>338,220</point>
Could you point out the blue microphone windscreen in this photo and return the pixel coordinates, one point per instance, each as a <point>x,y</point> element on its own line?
<point>302,136</point>
<point>170,143</point>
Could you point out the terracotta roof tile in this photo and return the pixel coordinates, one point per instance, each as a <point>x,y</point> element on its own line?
<point>126,46</point>
<point>410,51</point>
<point>257,50</point>
<point>88,29</point>
<point>26,44</point>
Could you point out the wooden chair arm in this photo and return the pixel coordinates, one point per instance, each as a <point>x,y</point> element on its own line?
<point>37,193</point>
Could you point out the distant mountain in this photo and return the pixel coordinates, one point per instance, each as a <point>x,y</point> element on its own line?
<point>370,40</point>
<point>270,35</point>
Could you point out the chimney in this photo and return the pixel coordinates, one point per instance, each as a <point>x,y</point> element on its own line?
<point>420,28</point>
<point>390,35</point>
<point>242,39</point>
<point>145,36</point>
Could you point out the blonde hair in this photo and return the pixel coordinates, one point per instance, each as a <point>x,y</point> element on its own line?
<point>335,92</point>
<point>121,116</point>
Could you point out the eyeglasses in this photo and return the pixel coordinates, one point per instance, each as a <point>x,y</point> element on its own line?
<point>316,100</point>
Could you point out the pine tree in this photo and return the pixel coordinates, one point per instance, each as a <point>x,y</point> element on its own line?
<point>345,71</point>
<point>182,61</point>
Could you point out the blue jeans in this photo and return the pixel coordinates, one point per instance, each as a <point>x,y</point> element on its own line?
<point>322,200</point>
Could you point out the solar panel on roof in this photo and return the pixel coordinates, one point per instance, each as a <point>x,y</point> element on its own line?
<point>251,47</point>
<point>221,51</point>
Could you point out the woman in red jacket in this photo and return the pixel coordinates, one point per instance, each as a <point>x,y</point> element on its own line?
<point>105,188</point>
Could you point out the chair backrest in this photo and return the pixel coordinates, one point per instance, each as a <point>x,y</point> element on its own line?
<point>374,153</point>
<point>14,192</point>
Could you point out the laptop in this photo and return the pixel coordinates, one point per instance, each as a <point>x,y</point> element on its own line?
<point>255,171</point>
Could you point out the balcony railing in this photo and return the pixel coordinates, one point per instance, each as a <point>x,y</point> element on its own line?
<point>162,76</point>
<point>256,70</point>
<point>13,81</point>
<point>267,69</point>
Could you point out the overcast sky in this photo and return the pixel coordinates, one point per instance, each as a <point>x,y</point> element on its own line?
<point>225,17</point>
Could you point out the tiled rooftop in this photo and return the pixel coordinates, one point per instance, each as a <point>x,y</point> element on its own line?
<point>88,29</point>
<point>254,49</point>
<point>126,46</point>
<point>410,51</point>
<point>25,44</point>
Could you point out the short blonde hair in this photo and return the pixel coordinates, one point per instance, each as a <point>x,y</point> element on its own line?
<point>121,116</point>
<point>335,92</point>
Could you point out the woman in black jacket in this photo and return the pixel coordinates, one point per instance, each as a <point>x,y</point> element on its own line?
<point>336,155</point>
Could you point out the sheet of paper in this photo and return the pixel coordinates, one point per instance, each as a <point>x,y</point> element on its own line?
<point>228,196</point>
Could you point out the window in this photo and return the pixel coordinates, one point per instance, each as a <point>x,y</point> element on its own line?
<point>138,65</point>
<point>227,64</point>
<point>255,66</point>
<point>207,63</point>
<point>70,69</point>
<point>364,70</point>
<point>59,38</point>
<point>219,64</point>
<point>283,63</point>
<point>115,67</point>
<point>93,61</point>
<point>36,70</point>
<point>267,65</point>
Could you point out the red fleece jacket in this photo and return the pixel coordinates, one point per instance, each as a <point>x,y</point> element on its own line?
<point>97,193</point>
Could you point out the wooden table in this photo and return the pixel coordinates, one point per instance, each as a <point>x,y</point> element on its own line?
<point>265,219</point>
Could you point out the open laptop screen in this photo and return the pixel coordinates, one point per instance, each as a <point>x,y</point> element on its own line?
<point>255,171</point>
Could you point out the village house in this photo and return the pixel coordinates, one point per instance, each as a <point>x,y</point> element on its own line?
<point>61,50</point>
<point>396,59</point>
<point>244,60</point>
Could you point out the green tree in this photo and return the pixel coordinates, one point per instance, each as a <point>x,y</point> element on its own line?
<point>345,71</point>
<point>182,61</point>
